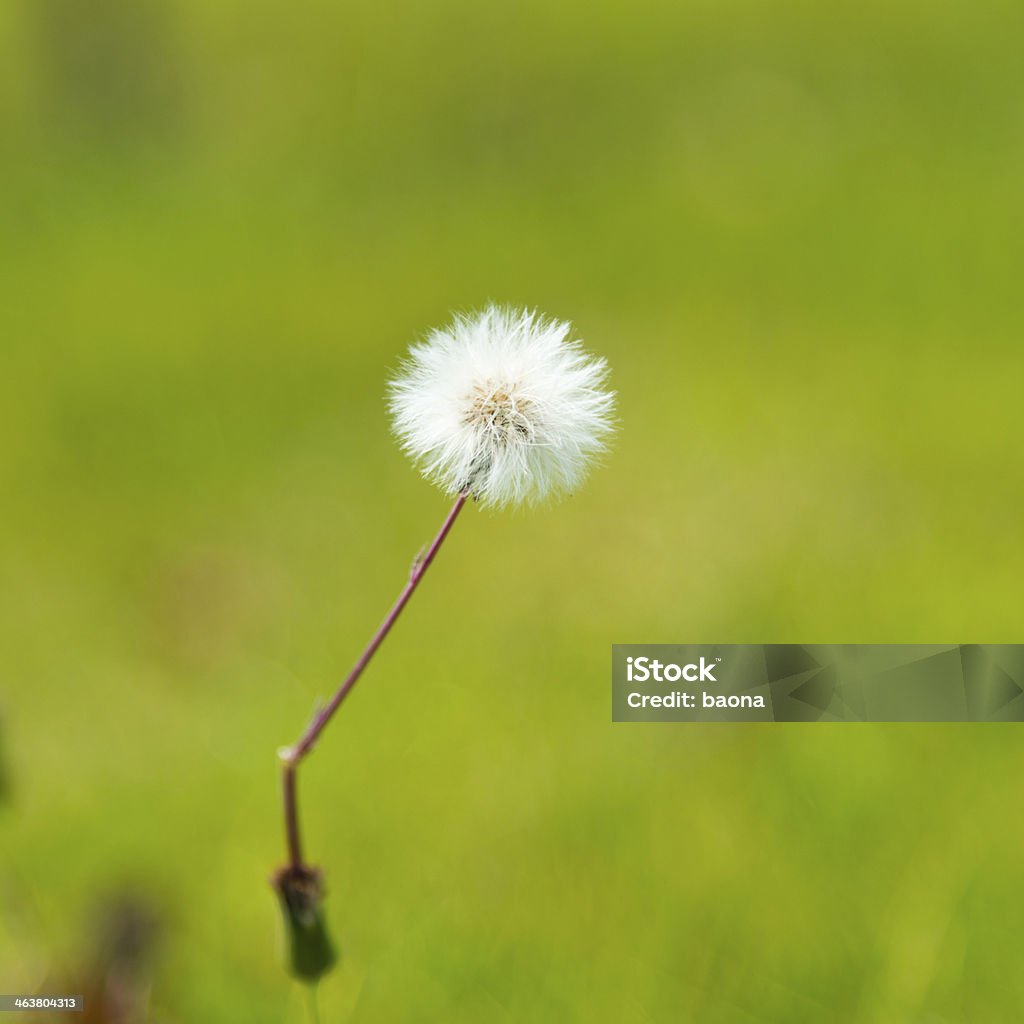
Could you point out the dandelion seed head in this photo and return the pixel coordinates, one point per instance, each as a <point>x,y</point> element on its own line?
<point>504,404</point>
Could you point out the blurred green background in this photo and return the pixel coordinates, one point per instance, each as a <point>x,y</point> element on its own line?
<point>795,231</point>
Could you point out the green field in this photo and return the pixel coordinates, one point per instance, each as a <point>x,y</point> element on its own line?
<point>795,230</point>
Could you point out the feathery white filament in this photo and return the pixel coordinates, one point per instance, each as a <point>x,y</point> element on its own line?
<point>503,404</point>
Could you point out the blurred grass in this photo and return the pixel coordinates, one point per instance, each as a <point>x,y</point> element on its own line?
<point>795,232</point>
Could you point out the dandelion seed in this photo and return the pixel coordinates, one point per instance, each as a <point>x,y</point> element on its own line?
<point>502,404</point>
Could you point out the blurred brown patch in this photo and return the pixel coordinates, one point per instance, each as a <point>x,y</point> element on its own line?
<point>118,959</point>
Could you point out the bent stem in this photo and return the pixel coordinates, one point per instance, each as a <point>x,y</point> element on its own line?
<point>294,755</point>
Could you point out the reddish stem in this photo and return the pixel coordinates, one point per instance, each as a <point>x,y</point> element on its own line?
<point>295,754</point>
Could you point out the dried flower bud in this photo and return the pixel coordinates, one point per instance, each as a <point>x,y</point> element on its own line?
<point>311,954</point>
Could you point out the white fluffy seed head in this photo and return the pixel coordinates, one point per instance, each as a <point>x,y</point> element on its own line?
<point>503,404</point>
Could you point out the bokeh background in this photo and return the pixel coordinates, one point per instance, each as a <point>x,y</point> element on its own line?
<point>795,231</point>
